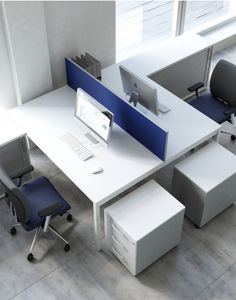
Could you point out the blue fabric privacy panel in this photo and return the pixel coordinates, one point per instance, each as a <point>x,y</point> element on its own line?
<point>136,124</point>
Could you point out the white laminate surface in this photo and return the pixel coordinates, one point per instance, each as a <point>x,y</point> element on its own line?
<point>187,127</point>
<point>144,210</point>
<point>158,58</point>
<point>125,161</point>
<point>165,54</point>
<point>209,166</point>
<point>9,130</point>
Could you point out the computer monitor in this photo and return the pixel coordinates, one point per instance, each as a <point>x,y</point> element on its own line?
<point>95,116</point>
<point>138,90</point>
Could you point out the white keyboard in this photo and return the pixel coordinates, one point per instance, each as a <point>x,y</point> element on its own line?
<point>76,146</point>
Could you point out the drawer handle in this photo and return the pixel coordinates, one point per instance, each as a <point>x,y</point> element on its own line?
<point>117,254</point>
<point>118,231</point>
<point>124,261</point>
<point>119,244</point>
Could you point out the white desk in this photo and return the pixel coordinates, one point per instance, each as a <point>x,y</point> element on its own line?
<point>158,58</point>
<point>9,131</point>
<point>125,161</point>
<point>187,127</point>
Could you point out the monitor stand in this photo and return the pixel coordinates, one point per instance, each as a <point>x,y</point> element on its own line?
<point>163,108</point>
<point>91,138</point>
<point>134,97</point>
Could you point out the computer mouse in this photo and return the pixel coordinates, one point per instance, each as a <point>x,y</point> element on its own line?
<point>96,170</point>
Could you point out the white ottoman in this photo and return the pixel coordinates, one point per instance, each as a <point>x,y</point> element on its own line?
<point>205,182</point>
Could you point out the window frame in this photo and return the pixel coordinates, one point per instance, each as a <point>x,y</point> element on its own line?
<point>179,16</point>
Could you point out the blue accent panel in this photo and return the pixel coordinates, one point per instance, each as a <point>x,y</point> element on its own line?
<point>135,123</point>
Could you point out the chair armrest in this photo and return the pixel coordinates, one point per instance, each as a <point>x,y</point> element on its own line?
<point>230,111</point>
<point>21,172</point>
<point>196,87</point>
<point>50,210</point>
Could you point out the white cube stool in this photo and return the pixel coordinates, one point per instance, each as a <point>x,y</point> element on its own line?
<point>205,182</point>
<point>143,226</point>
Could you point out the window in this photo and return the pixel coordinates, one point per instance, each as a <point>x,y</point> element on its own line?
<point>200,12</point>
<point>140,24</point>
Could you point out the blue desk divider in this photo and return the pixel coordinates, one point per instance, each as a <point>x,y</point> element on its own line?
<point>126,116</point>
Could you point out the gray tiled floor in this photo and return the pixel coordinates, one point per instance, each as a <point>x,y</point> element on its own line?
<point>203,266</point>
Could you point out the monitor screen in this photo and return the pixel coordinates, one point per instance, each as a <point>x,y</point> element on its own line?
<point>93,115</point>
<point>139,90</point>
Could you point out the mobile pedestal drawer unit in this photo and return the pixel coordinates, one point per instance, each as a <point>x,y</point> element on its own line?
<point>143,226</point>
<point>205,182</point>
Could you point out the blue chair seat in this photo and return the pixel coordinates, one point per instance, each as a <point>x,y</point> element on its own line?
<point>39,194</point>
<point>211,107</point>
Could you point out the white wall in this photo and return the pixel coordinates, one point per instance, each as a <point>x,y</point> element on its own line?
<point>24,24</point>
<point>76,27</point>
<point>7,91</point>
<point>36,36</point>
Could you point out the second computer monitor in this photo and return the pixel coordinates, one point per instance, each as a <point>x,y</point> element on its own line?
<point>139,90</point>
<point>93,115</point>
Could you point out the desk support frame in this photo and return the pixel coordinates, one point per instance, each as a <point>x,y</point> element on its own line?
<point>36,118</point>
<point>97,225</point>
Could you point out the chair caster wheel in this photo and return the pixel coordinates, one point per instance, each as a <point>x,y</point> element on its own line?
<point>67,248</point>
<point>13,231</point>
<point>233,137</point>
<point>69,218</point>
<point>30,257</point>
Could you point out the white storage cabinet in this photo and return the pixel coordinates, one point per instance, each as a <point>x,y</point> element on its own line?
<point>143,226</point>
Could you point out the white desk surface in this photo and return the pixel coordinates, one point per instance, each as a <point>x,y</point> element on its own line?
<point>162,55</point>
<point>125,161</point>
<point>9,131</point>
<point>187,127</point>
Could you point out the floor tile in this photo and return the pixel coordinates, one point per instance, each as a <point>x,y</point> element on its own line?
<point>217,237</point>
<point>222,288</point>
<point>180,274</point>
<point>43,166</point>
<point>71,281</point>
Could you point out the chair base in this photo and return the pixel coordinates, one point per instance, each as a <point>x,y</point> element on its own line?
<point>30,256</point>
<point>232,136</point>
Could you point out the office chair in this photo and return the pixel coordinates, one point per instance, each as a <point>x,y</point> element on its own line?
<point>220,103</point>
<point>17,176</point>
<point>35,203</point>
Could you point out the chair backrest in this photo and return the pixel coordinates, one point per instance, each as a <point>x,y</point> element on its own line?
<point>223,82</point>
<point>16,197</point>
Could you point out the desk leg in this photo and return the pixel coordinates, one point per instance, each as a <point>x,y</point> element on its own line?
<point>217,136</point>
<point>97,225</point>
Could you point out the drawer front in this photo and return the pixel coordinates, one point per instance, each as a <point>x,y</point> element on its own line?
<point>119,255</point>
<point>121,236</point>
<point>122,249</point>
<point>121,246</point>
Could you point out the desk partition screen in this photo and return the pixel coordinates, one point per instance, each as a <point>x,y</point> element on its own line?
<point>126,116</point>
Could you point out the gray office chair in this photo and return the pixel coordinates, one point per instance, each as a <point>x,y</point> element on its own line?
<point>35,203</point>
<point>220,103</point>
<point>17,176</point>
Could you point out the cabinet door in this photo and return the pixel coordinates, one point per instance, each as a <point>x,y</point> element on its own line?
<point>14,156</point>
